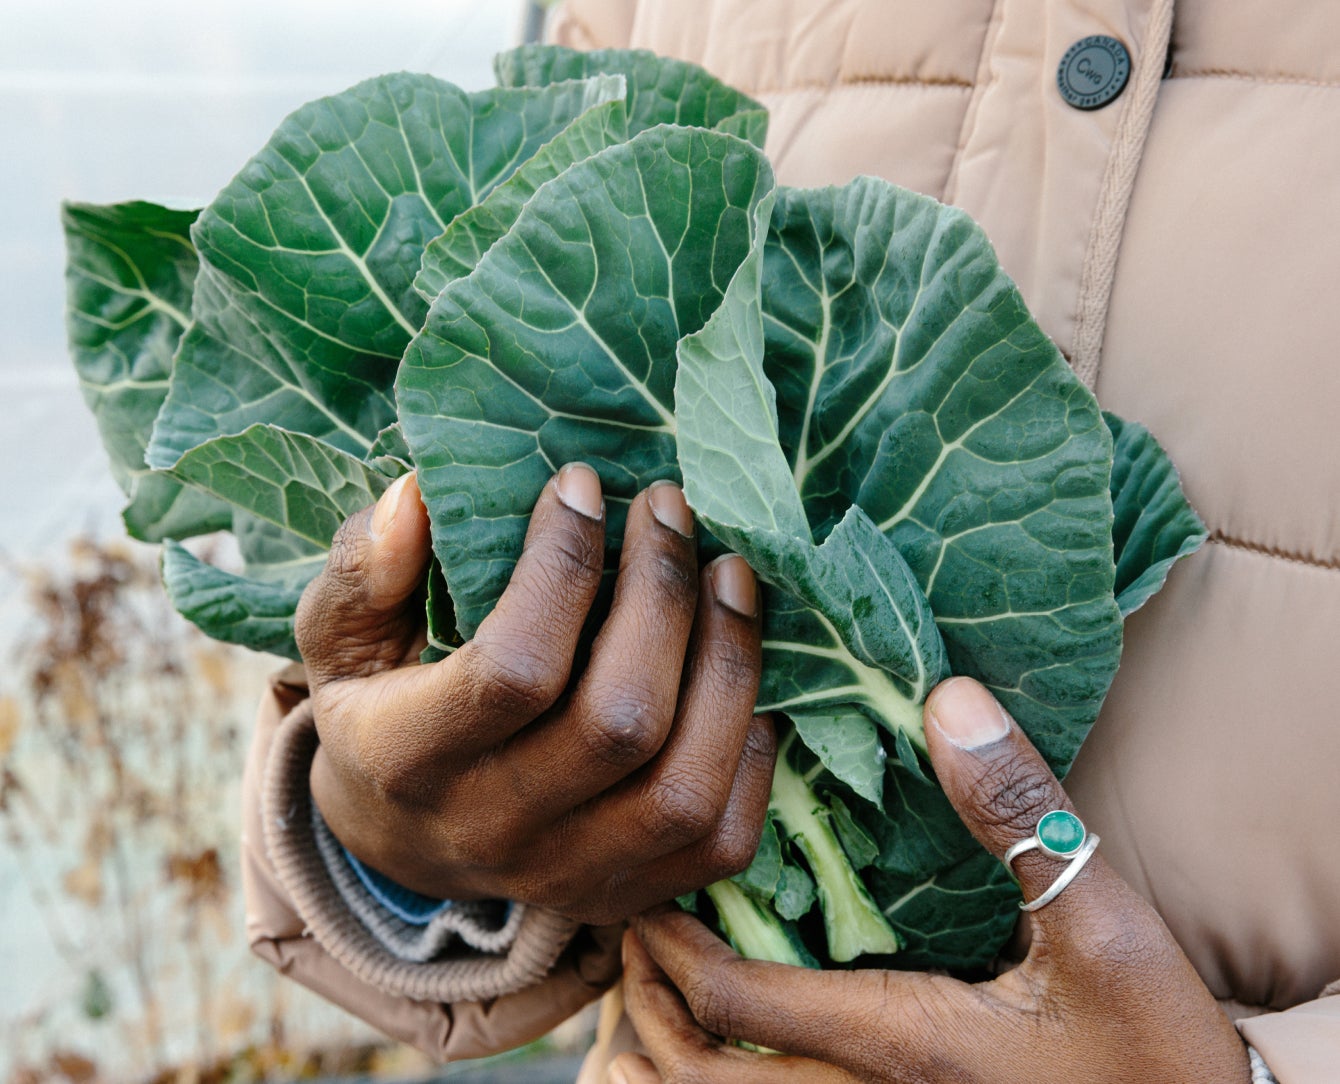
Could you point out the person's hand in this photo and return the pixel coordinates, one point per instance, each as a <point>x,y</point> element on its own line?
<point>497,772</point>
<point>1104,995</point>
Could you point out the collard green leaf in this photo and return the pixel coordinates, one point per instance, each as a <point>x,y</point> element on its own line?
<point>911,380</point>
<point>560,344</point>
<point>130,270</point>
<point>234,609</point>
<point>795,893</point>
<point>860,848</point>
<point>1154,525</point>
<point>304,486</point>
<point>760,877</point>
<point>304,302</point>
<point>847,744</point>
<point>473,232</point>
<point>388,453</point>
<point>660,90</point>
<point>739,483</point>
<point>959,917</point>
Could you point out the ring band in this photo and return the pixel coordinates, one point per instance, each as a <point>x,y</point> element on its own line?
<point>1060,835</point>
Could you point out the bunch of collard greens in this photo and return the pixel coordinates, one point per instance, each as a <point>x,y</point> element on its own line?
<point>593,261</point>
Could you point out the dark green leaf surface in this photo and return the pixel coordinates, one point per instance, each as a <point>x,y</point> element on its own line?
<point>234,609</point>
<point>304,302</point>
<point>473,232</point>
<point>1154,524</point>
<point>847,744</point>
<point>761,876</point>
<point>958,917</point>
<point>560,345</point>
<point>887,653</point>
<point>130,270</point>
<point>660,90</point>
<point>795,894</point>
<point>857,398</point>
<point>304,486</point>
<point>911,380</point>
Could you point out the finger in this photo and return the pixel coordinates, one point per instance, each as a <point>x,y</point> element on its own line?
<point>622,707</point>
<point>413,728</point>
<point>520,659</point>
<point>1001,787</point>
<point>724,851</point>
<point>356,617</point>
<point>682,1049</point>
<point>682,796</point>
<point>826,1015</point>
<point>633,1069</point>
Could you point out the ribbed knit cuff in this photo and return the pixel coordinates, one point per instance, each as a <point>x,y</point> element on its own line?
<point>290,841</point>
<point>1261,1073</point>
<point>485,925</point>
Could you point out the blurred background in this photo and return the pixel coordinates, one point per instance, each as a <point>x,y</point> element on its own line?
<point>122,731</point>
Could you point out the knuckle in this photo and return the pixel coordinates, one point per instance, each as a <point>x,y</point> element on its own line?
<point>516,682</point>
<point>684,811</point>
<point>734,667</point>
<point>623,729</point>
<point>729,853</point>
<point>569,554</point>
<point>337,590</point>
<point>712,996</point>
<point>670,576</point>
<point>1016,790</point>
<point>401,781</point>
<point>1121,943</point>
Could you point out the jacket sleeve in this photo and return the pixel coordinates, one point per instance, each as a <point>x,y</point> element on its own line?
<point>464,1005</point>
<point>1300,1045</point>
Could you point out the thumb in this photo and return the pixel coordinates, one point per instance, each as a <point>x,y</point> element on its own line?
<point>360,615</point>
<point>1002,788</point>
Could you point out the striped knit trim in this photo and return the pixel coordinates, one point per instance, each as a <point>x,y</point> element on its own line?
<point>1261,1073</point>
<point>293,851</point>
<point>485,925</point>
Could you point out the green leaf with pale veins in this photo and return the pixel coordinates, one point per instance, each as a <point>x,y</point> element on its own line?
<point>473,232</point>
<point>884,653</point>
<point>560,344</point>
<point>911,380</point>
<point>304,486</point>
<point>1155,525</point>
<point>795,893</point>
<point>290,493</point>
<point>130,271</point>
<point>957,917</point>
<point>304,301</point>
<point>847,744</point>
<point>660,90</point>
<point>760,877</point>
<point>234,609</point>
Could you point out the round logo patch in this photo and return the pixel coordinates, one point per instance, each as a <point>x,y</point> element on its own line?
<point>1093,71</point>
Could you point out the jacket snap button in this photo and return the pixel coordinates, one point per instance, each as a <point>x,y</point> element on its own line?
<point>1093,71</point>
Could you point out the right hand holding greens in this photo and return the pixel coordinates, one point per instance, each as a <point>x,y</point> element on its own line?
<point>499,772</point>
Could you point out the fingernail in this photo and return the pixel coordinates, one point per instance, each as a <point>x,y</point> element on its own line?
<point>579,488</point>
<point>670,508</point>
<point>383,513</point>
<point>734,584</point>
<point>967,714</point>
<point>617,1075</point>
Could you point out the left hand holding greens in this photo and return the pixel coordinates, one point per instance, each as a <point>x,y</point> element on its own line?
<point>1104,994</point>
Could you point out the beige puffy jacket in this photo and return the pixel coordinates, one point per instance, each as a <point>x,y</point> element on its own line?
<point>1182,246</point>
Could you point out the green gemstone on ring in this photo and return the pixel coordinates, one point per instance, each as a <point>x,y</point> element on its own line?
<point>1061,834</point>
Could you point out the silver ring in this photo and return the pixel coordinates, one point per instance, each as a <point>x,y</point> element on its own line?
<point>1060,835</point>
